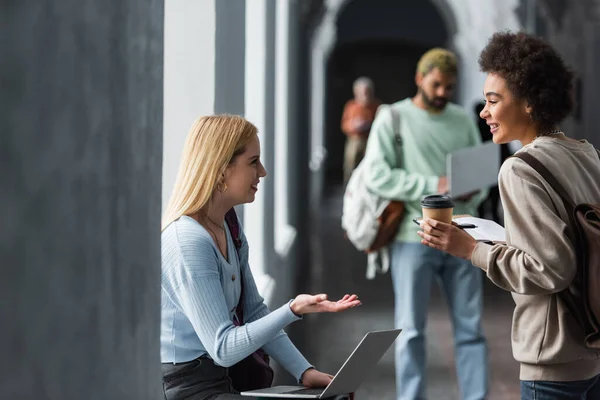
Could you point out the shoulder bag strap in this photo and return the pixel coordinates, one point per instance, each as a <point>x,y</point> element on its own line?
<point>573,303</point>
<point>234,229</point>
<point>547,175</point>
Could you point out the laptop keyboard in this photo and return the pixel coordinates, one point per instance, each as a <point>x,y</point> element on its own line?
<point>306,391</point>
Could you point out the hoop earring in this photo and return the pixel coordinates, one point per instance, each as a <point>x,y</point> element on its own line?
<point>222,187</point>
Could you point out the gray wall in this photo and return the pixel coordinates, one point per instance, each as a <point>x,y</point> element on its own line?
<point>230,55</point>
<point>80,175</point>
<point>415,22</point>
<point>574,29</point>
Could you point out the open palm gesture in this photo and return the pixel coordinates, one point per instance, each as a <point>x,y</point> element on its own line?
<point>307,304</point>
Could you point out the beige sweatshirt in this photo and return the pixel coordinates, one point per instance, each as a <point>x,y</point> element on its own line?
<point>538,260</point>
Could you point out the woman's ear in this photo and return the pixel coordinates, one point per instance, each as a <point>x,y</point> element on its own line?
<point>225,174</point>
<point>528,108</point>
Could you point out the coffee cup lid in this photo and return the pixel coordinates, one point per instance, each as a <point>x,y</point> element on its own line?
<point>437,201</point>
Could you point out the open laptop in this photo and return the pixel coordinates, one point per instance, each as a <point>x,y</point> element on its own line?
<point>362,360</point>
<point>473,168</point>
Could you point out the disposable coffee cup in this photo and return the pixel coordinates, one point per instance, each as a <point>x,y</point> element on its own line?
<point>438,207</point>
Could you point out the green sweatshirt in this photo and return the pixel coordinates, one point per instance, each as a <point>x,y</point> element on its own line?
<point>410,170</point>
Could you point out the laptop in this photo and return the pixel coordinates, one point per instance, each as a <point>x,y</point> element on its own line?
<point>362,360</point>
<point>473,168</point>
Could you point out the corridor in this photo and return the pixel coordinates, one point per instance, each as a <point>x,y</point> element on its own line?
<point>97,103</point>
<point>326,340</point>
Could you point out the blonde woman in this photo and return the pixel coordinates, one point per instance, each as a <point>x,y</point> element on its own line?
<point>206,277</point>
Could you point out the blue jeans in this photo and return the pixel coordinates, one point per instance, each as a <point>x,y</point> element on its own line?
<point>577,390</point>
<point>414,267</point>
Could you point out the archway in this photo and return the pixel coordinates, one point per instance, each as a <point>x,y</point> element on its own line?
<point>382,40</point>
<point>377,38</point>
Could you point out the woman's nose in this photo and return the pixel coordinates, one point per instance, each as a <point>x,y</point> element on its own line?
<point>483,113</point>
<point>262,172</point>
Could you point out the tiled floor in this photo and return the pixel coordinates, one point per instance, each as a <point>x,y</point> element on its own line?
<point>327,340</point>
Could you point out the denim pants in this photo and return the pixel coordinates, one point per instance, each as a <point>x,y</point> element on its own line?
<point>577,390</point>
<point>414,267</point>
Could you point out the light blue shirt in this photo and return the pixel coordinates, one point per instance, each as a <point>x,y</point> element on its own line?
<point>200,291</point>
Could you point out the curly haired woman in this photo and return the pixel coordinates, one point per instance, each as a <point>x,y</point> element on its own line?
<point>528,93</point>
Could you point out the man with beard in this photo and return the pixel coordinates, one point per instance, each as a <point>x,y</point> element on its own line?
<point>406,169</point>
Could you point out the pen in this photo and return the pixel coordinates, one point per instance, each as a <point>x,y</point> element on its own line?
<point>467,226</point>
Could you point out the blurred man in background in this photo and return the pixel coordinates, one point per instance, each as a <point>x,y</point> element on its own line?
<point>406,169</point>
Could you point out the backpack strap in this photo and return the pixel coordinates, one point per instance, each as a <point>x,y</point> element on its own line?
<point>574,303</point>
<point>550,178</point>
<point>234,228</point>
<point>396,129</point>
<point>261,359</point>
<point>396,125</point>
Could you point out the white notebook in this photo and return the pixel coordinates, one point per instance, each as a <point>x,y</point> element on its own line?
<point>482,230</point>
<point>485,230</point>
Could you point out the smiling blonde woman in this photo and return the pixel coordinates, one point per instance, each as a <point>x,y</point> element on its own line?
<point>206,278</point>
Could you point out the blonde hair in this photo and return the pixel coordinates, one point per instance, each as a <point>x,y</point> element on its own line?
<point>442,59</point>
<point>212,143</point>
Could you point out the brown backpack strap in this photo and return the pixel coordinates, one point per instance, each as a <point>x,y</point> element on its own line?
<point>574,303</point>
<point>549,177</point>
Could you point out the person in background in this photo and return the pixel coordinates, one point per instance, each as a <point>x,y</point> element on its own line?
<point>357,118</point>
<point>203,269</point>
<point>431,127</point>
<point>528,92</point>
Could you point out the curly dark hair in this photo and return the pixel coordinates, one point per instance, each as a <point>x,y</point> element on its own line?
<point>534,71</point>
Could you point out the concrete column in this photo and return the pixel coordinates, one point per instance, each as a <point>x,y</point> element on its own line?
<point>297,134</point>
<point>189,83</point>
<point>204,70</point>
<point>473,31</point>
<point>230,37</point>
<point>590,117</point>
<point>80,176</point>
<point>321,44</point>
<point>259,106</point>
<point>285,104</point>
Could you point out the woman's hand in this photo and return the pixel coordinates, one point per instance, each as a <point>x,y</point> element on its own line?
<point>307,304</point>
<point>315,379</point>
<point>447,238</point>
